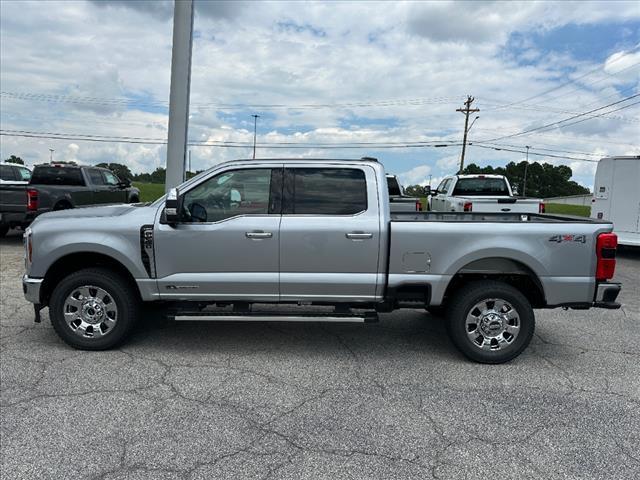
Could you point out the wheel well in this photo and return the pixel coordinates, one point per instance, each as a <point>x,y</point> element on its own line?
<point>506,270</point>
<point>68,264</point>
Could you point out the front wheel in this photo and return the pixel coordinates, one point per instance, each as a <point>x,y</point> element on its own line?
<point>93,309</point>
<point>490,322</point>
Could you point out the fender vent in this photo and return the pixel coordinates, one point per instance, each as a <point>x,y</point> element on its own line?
<point>146,250</point>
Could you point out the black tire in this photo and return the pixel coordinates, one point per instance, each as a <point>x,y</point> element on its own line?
<point>121,291</point>
<point>4,229</point>
<point>465,301</point>
<point>134,200</point>
<point>62,206</point>
<point>437,311</point>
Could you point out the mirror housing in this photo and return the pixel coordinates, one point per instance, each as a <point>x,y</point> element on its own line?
<point>125,182</point>
<point>171,206</point>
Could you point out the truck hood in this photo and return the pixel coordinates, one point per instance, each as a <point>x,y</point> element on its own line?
<point>91,212</point>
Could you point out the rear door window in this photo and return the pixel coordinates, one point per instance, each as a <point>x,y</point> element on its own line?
<point>95,176</point>
<point>325,191</point>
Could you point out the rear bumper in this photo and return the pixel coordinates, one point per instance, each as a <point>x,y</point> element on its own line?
<point>31,288</point>
<point>606,295</point>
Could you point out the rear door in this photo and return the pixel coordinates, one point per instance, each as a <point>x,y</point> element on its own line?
<point>329,234</point>
<point>98,186</point>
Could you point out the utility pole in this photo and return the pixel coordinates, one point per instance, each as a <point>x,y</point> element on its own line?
<point>466,110</point>
<point>255,127</point>
<point>51,150</point>
<point>179,92</point>
<point>526,165</point>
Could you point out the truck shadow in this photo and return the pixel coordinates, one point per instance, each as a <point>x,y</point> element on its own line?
<point>403,333</point>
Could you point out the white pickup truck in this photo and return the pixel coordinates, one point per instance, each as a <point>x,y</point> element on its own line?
<point>481,193</point>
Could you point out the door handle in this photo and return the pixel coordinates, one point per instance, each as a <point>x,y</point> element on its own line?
<point>258,234</point>
<point>359,235</point>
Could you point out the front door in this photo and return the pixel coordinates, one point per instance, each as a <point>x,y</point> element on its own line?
<point>226,245</point>
<point>329,234</point>
<point>116,193</point>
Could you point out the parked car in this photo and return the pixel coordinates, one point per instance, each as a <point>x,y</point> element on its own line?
<point>317,234</point>
<point>617,196</point>
<point>64,186</point>
<point>398,201</point>
<point>13,196</point>
<point>481,193</point>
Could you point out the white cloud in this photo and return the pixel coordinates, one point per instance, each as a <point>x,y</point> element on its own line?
<point>305,53</point>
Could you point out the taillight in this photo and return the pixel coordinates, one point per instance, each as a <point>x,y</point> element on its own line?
<point>541,208</point>
<point>468,207</point>
<point>418,206</point>
<point>32,199</point>
<point>606,254</point>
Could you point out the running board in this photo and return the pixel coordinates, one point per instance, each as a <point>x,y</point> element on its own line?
<point>368,317</point>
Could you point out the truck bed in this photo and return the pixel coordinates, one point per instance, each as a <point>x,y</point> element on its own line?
<point>499,217</point>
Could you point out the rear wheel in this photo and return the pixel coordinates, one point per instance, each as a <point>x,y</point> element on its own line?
<point>93,309</point>
<point>62,206</point>
<point>490,322</point>
<point>4,229</point>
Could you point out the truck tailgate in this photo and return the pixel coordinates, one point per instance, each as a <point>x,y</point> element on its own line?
<point>503,204</point>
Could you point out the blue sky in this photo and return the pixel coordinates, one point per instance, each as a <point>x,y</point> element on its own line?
<point>339,72</point>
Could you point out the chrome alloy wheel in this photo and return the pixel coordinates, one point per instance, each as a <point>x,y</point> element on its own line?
<point>492,324</point>
<point>90,311</point>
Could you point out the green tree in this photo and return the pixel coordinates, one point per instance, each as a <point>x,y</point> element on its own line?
<point>543,180</point>
<point>14,159</point>
<point>122,171</point>
<point>416,191</point>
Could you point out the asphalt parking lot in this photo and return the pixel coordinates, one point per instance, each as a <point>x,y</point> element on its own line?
<point>294,401</point>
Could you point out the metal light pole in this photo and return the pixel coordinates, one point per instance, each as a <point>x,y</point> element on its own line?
<point>255,128</point>
<point>51,150</point>
<point>179,94</point>
<point>526,166</point>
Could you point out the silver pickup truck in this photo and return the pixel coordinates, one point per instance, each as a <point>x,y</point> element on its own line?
<point>316,238</point>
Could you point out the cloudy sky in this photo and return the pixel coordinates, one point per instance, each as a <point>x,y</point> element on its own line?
<point>369,75</point>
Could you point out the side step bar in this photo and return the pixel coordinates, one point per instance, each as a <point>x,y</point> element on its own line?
<point>368,317</point>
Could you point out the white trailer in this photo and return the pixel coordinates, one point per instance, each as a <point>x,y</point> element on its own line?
<point>617,196</point>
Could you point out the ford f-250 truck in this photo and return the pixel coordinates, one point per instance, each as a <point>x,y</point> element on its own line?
<point>64,186</point>
<point>306,233</point>
<point>481,193</point>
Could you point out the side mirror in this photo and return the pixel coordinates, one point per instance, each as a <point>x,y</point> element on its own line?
<point>171,210</point>
<point>428,191</point>
<point>125,182</point>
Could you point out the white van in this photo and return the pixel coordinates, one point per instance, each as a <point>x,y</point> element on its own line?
<point>617,196</point>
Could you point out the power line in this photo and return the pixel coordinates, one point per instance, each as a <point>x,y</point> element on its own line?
<point>227,144</point>
<point>532,153</point>
<point>524,132</point>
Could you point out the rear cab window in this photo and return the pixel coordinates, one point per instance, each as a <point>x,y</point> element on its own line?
<point>50,175</point>
<point>7,174</point>
<point>481,186</point>
<point>325,191</point>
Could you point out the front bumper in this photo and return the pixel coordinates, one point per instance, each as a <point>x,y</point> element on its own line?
<point>31,288</point>
<point>606,294</point>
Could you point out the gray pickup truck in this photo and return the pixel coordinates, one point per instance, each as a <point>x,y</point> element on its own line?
<point>13,196</point>
<point>64,186</point>
<point>311,235</point>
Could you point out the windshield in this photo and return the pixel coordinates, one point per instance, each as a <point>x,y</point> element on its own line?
<point>481,186</point>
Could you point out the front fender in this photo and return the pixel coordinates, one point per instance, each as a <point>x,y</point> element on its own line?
<point>55,247</point>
